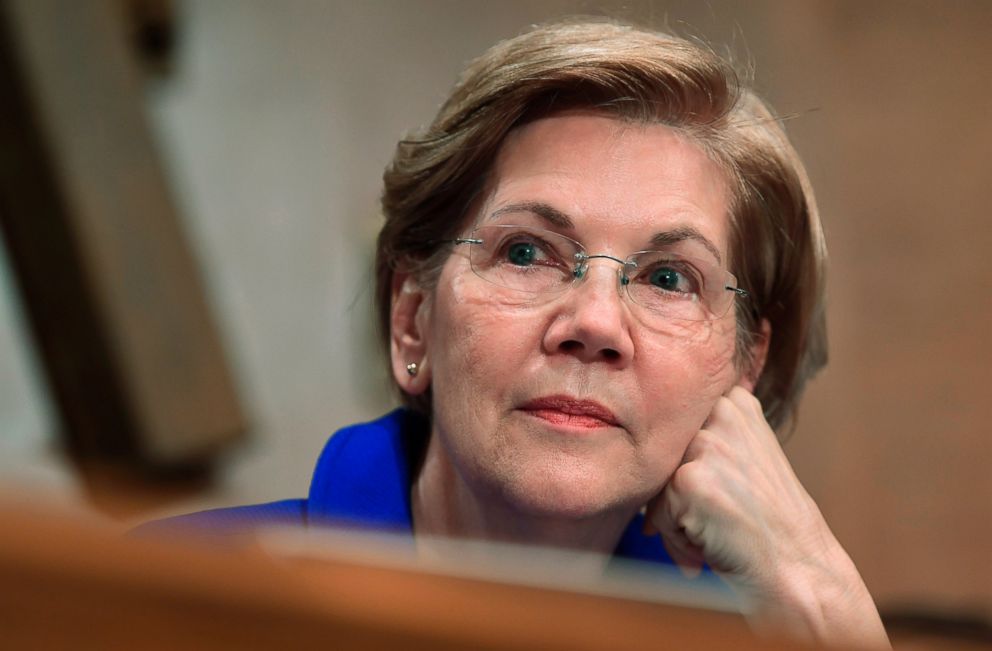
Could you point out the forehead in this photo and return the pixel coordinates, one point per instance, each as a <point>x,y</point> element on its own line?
<point>619,182</point>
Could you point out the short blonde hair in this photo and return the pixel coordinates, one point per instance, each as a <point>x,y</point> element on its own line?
<point>777,250</point>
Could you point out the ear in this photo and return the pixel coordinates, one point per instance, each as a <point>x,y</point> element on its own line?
<point>408,328</point>
<point>759,354</point>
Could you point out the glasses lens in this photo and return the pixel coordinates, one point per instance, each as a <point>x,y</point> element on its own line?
<point>679,287</point>
<point>524,259</point>
<point>537,261</point>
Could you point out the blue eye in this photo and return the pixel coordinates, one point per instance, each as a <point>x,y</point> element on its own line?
<point>522,253</point>
<point>668,279</point>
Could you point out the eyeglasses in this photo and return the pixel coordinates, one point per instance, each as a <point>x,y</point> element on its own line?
<point>543,263</point>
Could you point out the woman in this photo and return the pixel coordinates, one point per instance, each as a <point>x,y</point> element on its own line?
<point>600,282</point>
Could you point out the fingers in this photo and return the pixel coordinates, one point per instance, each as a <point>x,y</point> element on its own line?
<point>688,557</point>
<point>738,418</point>
<point>727,493</point>
<point>745,401</point>
<point>662,517</point>
<point>737,404</point>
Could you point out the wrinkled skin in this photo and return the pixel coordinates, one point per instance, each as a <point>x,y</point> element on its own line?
<point>686,437</point>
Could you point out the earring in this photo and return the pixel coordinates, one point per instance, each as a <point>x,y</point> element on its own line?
<point>412,369</point>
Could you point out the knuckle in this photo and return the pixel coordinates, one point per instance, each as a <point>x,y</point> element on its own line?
<point>696,447</point>
<point>725,402</point>
<point>691,479</point>
<point>721,411</point>
<point>755,404</point>
<point>746,400</point>
<point>713,445</point>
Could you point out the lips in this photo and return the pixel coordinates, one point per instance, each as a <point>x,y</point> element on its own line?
<point>565,410</point>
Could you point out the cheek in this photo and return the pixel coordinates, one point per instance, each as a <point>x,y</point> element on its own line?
<point>697,358</point>
<point>682,374</point>
<point>481,349</point>
<point>478,345</point>
<point>714,351</point>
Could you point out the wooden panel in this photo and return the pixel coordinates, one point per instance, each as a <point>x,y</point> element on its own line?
<point>110,285</point>
<point>69,584</point>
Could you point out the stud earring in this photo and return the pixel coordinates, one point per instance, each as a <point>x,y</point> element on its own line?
<point>412,369</point>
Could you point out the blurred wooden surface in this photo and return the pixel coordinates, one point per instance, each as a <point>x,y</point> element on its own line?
<point>75,583</point>
<point>71,584</point>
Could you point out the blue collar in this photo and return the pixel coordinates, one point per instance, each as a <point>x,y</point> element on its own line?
<point>364,474</point>
<point>365,471</point>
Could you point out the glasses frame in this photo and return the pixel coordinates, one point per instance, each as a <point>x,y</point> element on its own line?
<point>582,259</point>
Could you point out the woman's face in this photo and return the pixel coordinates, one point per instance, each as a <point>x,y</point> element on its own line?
<point>575,405</point>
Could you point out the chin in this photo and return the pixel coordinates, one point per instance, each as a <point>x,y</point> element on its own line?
<point>569,492</point>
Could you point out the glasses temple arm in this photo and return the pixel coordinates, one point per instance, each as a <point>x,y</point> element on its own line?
<point>743,293</point>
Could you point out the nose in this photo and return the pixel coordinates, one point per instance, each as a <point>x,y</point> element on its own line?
<point>592,323</point>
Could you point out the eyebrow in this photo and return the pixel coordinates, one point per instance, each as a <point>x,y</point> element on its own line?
<point>556,217</point>
<point>545,211</point>
<point>683,233</point>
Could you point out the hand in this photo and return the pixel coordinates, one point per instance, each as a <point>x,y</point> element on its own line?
<point>736,504</point>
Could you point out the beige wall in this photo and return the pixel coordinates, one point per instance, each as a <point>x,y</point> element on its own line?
<point>280,117</point>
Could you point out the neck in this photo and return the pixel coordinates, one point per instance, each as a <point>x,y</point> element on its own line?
<point>445,506</point>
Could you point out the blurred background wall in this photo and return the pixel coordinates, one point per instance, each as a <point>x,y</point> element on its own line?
<point>275,121</point>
